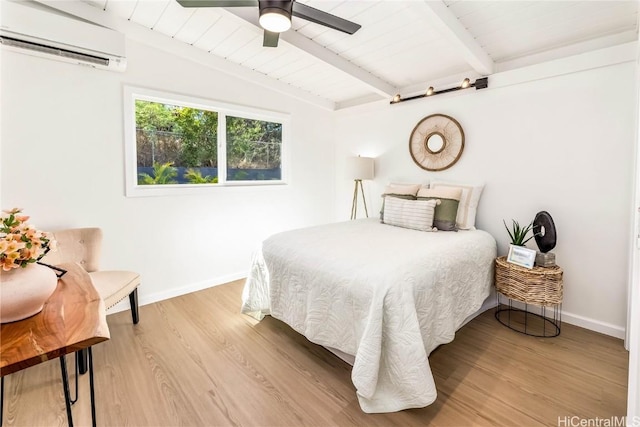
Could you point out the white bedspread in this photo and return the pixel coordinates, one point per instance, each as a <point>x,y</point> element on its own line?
<point>387,295</point>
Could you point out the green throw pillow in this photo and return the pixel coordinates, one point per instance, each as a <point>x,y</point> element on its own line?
<point>445,214</point>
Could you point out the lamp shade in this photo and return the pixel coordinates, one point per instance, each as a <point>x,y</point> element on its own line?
<point>360,167</point>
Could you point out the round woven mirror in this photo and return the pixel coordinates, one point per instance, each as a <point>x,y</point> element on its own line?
<point>437,142</point>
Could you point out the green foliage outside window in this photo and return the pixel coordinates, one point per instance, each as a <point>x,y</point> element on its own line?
<point>182,135</point>
<point>170,138</point>
<point>162,174</point>
<point>195,177</point>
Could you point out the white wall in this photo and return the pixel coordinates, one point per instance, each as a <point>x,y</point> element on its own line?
<point>62,161</point>
<point>563,144</point>
<point>633,314</point>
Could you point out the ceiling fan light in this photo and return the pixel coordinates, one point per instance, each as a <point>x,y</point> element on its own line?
<point>275,20</point>
<point>465,83</point>
<point>429,91</point>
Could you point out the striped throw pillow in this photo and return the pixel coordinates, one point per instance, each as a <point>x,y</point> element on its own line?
<point>414,214</point>
<point>400,191</point>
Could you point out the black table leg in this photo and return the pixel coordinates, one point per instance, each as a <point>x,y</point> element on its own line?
<point>91,389</point>
<point>73,401</point>
<point>81,360</point>
<point>65,386</point>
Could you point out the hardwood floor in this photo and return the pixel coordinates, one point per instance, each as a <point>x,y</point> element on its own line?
<point>195,360</point>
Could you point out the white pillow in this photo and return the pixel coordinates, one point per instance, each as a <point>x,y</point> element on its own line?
<point>402,189</point>
<point>468,207</point>
<point>414,214</point>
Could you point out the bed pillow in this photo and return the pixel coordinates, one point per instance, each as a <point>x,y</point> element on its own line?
<point>446,212</point>
<point>414,214</point>
<point>399,191</point>
<point>469,199</point>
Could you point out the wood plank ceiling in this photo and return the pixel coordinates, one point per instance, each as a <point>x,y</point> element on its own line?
<point>401,45</point>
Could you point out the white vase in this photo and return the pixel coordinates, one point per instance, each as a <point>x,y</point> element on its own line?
<point>23,291</point>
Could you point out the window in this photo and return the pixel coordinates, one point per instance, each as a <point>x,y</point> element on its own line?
<point>177,144</point>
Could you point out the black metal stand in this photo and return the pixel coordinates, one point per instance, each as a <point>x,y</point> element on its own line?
<point>527,322</point>
<point>73,401</point>
<point>81,361</point>
<point>65,385</point>
<point>91,388</point>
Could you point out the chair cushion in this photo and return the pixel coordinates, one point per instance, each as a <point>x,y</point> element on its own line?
<point>113,286</point>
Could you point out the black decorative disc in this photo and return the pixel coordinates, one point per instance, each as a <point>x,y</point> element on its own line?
<point>544,231</point>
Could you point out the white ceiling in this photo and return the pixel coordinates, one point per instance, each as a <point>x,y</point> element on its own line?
<point>402,45</point>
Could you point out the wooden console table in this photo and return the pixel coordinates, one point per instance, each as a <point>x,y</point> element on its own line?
<point>72,319</point>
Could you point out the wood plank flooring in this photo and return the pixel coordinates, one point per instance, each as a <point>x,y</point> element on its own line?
<point>196,361</point>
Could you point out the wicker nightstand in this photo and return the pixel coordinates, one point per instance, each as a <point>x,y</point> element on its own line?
<point>540,286</point>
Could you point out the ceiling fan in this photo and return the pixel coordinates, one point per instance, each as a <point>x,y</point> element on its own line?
<point>275,15</point>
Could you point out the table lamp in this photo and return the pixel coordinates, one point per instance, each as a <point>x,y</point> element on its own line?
<point>359,168</point>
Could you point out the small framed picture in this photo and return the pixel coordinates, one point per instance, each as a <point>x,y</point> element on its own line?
<point>519,255</point>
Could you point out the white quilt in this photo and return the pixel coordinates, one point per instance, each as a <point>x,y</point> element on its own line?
<point>387,295</point>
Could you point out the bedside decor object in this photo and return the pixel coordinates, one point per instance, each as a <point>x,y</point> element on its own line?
<point>544,230</point>
<point>519,255</point>
<point>436,142</point>
<point>518,234</point>
<point>545,259</point>
<point>359,168</point>
<point>24,285</point>
<point>542,287</point>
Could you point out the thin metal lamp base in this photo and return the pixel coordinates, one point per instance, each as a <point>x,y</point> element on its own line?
<point>354,203</point>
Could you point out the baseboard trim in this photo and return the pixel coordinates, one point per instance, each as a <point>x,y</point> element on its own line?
<point>172,293</point>
<point>594,325</point>
<point>570,318</point>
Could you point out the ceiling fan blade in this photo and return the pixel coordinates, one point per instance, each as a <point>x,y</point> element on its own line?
<point>270,39</point>
<point>218,3</point>
<point>323,18</point>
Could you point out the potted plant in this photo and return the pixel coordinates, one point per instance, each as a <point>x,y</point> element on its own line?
<point>517,233</point>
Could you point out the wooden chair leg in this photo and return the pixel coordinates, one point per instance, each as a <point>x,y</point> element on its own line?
<point>133,301</point>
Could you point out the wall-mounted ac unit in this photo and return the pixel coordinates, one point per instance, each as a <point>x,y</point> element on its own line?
<point>35,31</point>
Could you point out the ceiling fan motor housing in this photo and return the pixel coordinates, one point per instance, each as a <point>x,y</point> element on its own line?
<point>274,6</point>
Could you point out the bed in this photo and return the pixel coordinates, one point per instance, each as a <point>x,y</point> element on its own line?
<point>386,295</point>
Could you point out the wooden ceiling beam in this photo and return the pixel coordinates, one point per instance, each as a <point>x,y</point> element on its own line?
<point>296,39</point>
<point>447,24</point>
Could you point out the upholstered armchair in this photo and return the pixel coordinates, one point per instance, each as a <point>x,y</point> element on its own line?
<point>83,245</point>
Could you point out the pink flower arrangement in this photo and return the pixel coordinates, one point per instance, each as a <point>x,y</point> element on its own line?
<point>21,244</point>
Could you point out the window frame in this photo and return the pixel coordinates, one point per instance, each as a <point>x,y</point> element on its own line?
<point>223,109</point>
